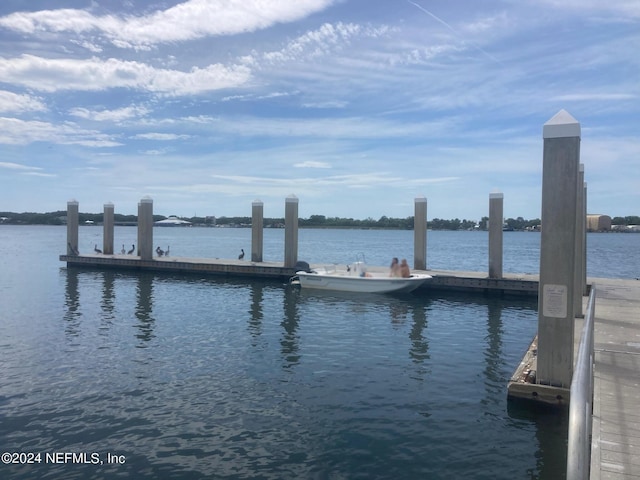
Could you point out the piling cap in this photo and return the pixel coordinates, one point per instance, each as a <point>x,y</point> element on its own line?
<point>496,195</point>
<point>73,201</point>
<point>562,124</point>
<point>146,199</point>
<point>291,199</point>
<point>420,199</point>
<point>257,203</point>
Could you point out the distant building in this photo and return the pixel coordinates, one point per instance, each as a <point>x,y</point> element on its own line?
<point>598,223</point>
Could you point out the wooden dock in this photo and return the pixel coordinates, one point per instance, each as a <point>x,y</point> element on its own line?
<point>615,446</point>
<point>477,282</point>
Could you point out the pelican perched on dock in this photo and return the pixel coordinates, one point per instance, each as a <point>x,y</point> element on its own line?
<point>133,249</point>
<point>96,249</point>
<point>123,251</point>
<point>241,256</point>
<point>166,254</point>
<point>159,251</point>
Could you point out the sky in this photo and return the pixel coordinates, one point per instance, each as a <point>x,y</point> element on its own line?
<point>356,107</point>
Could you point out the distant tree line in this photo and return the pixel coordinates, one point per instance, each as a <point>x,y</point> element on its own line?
<point>630,220</point>
<point>314,221</point>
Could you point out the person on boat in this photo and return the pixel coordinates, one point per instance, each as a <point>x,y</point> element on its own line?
<point>394,268</point>
<point>404,269</point>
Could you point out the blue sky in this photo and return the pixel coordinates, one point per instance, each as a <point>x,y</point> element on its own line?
<point>355,106</point>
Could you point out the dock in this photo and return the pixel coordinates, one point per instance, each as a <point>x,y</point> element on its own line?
<point>615,444</point>
<point>476,282</point>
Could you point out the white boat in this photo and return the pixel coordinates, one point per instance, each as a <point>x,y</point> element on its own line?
<point>357,279</point>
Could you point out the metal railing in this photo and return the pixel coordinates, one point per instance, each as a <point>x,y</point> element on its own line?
<point>580,405</point>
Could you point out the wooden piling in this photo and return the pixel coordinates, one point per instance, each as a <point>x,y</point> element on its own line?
<point>145,228</point>
<point>496,219</point>
<point>107,229</point>
<point>581,222</point>
<point>72,227</point>
<point>561,159</point>
<point>291,231</point>
<point>420,234</point>
<point>257,232</point>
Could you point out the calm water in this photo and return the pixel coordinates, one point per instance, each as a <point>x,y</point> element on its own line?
<point>202,378</point>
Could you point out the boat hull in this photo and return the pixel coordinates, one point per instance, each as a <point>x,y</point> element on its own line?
<point>358,284</point>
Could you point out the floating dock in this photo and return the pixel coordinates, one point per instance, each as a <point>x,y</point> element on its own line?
<point>477,282</point>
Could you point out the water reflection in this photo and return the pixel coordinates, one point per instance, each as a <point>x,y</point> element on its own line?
<point>108,295</point>
<point>493,354</point>
<point>255,310</point>
<point>551,428</point>
<point>72,301</point>
<point>144,308</point>
<point>419,352</point>
<point>289,340</point>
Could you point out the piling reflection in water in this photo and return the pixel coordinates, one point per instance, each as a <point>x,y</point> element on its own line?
<point>289,339</point>
<point>144,308</point>
<point>108,295</point>
<point>71,300</point>
<point>256,295</point>
<point>419,351</point>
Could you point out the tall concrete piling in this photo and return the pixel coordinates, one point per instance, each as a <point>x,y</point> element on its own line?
<point>561,157</point>
<point>584,247</point>
<point>496,216</point>
<point>291,231</point>
<point>420,234</point>
<point>72,227</point>
<point>581,222</point>
<point>145,228</point>
<point>257,232</point>
<point>107,229</point>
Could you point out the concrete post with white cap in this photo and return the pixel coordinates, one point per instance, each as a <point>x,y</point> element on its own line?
<point>420,234</point>
<point>107,229</point>
<point>561,157</point>
<point>291,231</point>
<point>496,217</point>
<point>257,232</point>
<point>72,227</point>
<point>145,228</point>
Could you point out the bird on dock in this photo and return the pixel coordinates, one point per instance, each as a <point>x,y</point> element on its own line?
<point>96,249</point>
<point>123,251</point>
<point>166,254</point>
<point>159,251</point>
<point>241,256</point>
<point>133,247</point>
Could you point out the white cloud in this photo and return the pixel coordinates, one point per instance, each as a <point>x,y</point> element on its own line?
<point>51,75</point>
<point>17,166</point>
<point>581,97</point>
<point>617,7</point>
<point>14,131</point>
<point>312,164</point>
<point>186,21</point>
<point>322,41</point>
<point>13,102</point>
<point>160,136</point>
<point>115,115</point>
